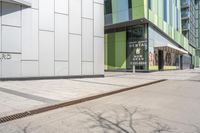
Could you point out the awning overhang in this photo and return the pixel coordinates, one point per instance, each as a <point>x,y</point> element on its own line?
<point>170,46</point>
<point>21,2</point>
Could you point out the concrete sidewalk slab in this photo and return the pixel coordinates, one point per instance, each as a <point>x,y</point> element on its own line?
<point>27,95</point>
<point>20,96</point>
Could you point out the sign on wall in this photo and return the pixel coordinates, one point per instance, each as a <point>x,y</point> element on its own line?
<point>5,56</point>
<point>138,57</point>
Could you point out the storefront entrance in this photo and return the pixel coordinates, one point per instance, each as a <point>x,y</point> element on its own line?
<point>160,60</point>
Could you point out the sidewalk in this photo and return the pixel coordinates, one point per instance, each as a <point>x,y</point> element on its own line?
<point>20,96</point>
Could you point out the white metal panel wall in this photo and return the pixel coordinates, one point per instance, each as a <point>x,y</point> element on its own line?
<point>87,9</point>
<point>61,37</point>
<point>46,53</point>
<point>52,38</point>
<point>0,38</point>
<point>99,1</point>
<point>46,15</point>
<point>61,68</point>
<point>35,4</point>
<point>30,68</point>
<point>75,54</point>
<point>11,14</point>
<point>98,55</point>
<point>75,16</point>
<point>98,20</point>
<point>0,34</point>
<point>87,40</point>
<point>29,34</point>
<point>87,68</point>
<point>12,68</point>
<point>61,6</point>
<point>11,39</point>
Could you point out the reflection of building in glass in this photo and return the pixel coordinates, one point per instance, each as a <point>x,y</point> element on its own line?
<point>158,22</point>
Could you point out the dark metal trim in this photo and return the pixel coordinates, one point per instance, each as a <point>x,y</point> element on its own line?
<point>50,77</point>
<point>124,25</point>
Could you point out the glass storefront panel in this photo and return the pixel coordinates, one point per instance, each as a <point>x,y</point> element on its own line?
<point>161,56</point>
<point>137,48</point>
<point>127,48</point>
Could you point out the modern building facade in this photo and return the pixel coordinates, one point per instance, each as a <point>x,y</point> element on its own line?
<point>51,38</point>
<point>188,20</point>
<point>197,31</point>
<point>146,35</point>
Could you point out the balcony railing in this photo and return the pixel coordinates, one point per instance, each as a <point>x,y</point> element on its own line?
<point>185,3</point>
<point>185,26</point>
<point>185,14</point>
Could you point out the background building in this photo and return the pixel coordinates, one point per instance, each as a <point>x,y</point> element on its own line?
<point>189,12</point>
<point>50,38</point>
<point>197,31</point>
<point>146,34</point>
<point>188,20</point>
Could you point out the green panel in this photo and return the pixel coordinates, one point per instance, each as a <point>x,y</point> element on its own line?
<point>138,10</point>
<point>111,51</point>
<point>170,31</point>
<point>151,16</point>
<point>114,10</point>
<point>197,61</point>
<point>146,8</point>
<point>120,50</point>
<point>105,51</point>
<point>160,23</point>
<point>160,8</point>
<point>115,51</point>
<point>155,19</point>
<point>136,3</point>
<point>182,41</point>
<point>155,6</point>
<point>170,67</point>
<point>165,27</point>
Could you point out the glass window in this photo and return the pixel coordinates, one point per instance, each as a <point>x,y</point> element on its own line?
<point>122,10</point>
<point>129,4</point>
<point>165,11</point>
<point>177,20</point>
<point>150,4</point>
<point>108,12</point>
<point>176,3</point>
<point>108,6</point>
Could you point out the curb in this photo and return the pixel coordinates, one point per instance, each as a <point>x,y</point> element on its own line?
<point>69,103</point>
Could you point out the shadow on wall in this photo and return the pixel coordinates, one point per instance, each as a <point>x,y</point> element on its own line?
<point>9,8</point>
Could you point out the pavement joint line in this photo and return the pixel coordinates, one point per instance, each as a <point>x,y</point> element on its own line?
<point>27,96</point>
<point>98,83</point>
<point>70,103</point>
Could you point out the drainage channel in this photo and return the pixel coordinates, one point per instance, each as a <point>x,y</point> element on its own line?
<point>69,103</point>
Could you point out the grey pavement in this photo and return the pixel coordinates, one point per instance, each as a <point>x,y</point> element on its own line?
<point>19,96</point>
<point>172,106</point>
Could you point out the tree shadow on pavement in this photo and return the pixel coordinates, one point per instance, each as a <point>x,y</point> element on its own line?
<point>127,120</point>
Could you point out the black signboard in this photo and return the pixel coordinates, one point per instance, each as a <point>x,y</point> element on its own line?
<point>139,49</point>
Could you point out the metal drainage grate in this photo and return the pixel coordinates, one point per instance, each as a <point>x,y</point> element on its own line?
<point>14,117</point>
<point>69,103</point>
